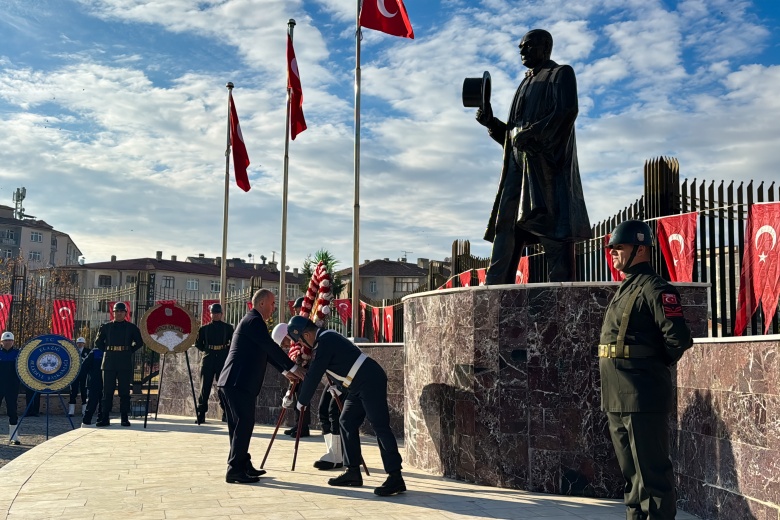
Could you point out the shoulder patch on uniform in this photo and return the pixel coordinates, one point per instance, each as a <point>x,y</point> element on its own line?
<point>671,304</point>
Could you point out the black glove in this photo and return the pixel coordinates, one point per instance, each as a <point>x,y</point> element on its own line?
<point>485,117</point>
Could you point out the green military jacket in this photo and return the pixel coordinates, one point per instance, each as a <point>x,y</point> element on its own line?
<point>643,384</point>
<point>214,341</point>
<point>118,341</point>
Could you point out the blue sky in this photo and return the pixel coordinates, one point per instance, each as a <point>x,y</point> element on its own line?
<point>112,115</point>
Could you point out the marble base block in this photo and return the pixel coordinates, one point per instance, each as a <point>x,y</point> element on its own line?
<point>502,385</point>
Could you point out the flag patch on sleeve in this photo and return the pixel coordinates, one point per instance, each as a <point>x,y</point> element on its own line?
<point>672,306</point>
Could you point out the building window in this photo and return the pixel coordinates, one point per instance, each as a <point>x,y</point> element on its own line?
<point>104,280</point>
<point>215,286</point>
<point>54,241</point>
<point>231,287</point>
<point>193,284</point>
<point>130,278</point>
<point>372,286</point>
<point>10,234</point>
<point>167,282</point>
<point>406,284</point>
<point>36,236</point>
<point>34,256</point>
<point>7,253</point>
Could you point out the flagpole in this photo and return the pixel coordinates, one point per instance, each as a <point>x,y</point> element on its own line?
<point>282,305</point>
<point>223,262</point>
<point>356,209</point>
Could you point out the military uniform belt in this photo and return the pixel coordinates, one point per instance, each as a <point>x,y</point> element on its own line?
<point>627,351</point>
<point>117,348</point>
<point>218,347</point>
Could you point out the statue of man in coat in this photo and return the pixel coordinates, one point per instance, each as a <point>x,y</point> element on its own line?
<point>539,197</point>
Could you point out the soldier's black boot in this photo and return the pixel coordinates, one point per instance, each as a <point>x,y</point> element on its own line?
<point>350,478</point>
<point>103,421</point>
<point>125,420</point>
<point>393,485</point>
<point>200,418</point>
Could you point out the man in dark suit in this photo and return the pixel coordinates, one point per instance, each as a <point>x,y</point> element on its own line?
<point>241,379</point>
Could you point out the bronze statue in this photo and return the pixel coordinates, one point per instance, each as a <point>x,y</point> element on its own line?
<point>539,197</point>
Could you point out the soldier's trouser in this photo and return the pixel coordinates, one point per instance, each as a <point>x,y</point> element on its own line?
<point>328,412</point>
<point>369,400</point>
<point>10,392</point>
<point>209,373</point>
<point>79,386</point>
<point>113,379</point>
<point>641,442</point>
<point>94,395</point>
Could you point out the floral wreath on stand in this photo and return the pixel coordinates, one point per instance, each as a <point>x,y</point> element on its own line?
<point>316,307</point>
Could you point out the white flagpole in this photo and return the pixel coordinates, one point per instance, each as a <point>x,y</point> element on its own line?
<point>356,209</point>
<point>223,263</point>
<point>282,305</point>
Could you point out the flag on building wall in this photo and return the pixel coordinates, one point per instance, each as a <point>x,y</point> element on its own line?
<point>759,281</point>
<point>297,121</point>
<point>387,16</point>
<point>389,317</point>
<point>375,322</point>
<point>205,316</point>
<point>128,315</point>
<point>521,276</point>
<point>240,157</point>
<point>677,240</point>
<point>617,275</point>
<point>5,310</point>
<point>63,318</point>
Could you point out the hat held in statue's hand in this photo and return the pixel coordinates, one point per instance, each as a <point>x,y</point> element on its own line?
<point>476,91</point>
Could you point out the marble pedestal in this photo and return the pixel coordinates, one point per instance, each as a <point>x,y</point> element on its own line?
<point>502,385</point>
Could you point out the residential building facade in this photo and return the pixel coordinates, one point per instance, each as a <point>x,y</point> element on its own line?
<point>35,241</point>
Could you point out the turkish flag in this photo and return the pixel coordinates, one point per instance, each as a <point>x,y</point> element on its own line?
<point>375,322</point>
<point>677,238</point>
<point>240,157</point>
<point>617,275</point>
<point>759,281</point>
<point>482,276</point>
<point>64,317</point>
<point>205,315</point>
<point>344,308</point>
<point>297,121</point>
<point>128,315</point>
<point>448,285</point>
<point>521,277</point>
<point>387,16</point>
<point>248,306</point>
<point>389,324</point>
<point>465,279</point>
<point>5,309</point>
<point>362,319</point>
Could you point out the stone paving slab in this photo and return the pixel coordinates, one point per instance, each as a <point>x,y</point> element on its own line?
<point>175,469</point>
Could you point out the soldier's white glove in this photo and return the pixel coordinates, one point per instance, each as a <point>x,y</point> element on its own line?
<point>300,407</point>
<point>334,390</point>
<point>287,400</point>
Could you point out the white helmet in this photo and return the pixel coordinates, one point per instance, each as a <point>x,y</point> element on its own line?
<point>7,335</point>
<point>81,340</point>
<point>279,333</point>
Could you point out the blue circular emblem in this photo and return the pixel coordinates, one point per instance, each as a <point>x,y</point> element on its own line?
<point>48,363</point>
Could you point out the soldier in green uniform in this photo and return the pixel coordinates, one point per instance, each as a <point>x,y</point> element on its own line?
<point>118,340</point>
<point>214,341</point>
<point>643,334</point>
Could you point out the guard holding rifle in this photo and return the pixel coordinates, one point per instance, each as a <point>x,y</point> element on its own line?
<point>367,398</point>
<point>643,334</point>
<point>214,341</point>
<point>118,340</point>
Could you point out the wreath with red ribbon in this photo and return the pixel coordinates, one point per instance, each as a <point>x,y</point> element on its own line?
<point>316,307</point>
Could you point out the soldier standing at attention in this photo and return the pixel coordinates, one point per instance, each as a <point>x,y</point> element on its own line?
<point>9,383</point>
<point>214,341</point>
<point>118,340</point>
<point>644,333</point>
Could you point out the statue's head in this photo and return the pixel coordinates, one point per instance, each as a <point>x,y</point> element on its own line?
<point>536,48</point>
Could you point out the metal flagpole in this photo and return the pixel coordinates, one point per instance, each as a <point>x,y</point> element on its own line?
<point>356,209</point>
<point>283,257</point>
<point>223,262</point>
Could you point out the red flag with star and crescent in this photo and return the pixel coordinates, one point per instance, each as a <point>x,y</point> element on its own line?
<point>5,309</point>
<point>521,276</point>
<point>617,275</point>
<point>297,121</point>
<point>240,157</point>
<point>375,322</point>
<point>465,278</point>
<point>759,281</point>
<point>677,239</point>
<point>344,308</point>
<point>387,16</point>
<point>389,316</point>
<point>63,318</point>
<point>481,276</point>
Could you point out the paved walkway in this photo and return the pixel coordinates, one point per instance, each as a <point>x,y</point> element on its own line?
<point>176,469</point>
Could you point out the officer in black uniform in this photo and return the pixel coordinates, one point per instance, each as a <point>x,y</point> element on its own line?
<point>79,385</point>
<point>643,334</point>
<point>9,383</point>
<point>367,384</point>
<point>241,379</point>
<point>293,430</point>
<point>119,340</point>
<point>94,374</point>
<point>214,341</point>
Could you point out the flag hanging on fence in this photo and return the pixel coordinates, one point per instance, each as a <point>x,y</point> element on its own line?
<point>344,308</point>
<point>677,240</point>
<point>387,16</point>
<point>128,315</point>
<point>297,121</point>
<point>389,312</point>
<point>240,157</point>
<point>465,279</point>
<point>521,276</point>
<point>617,275</point>
<point>481,276</point>
<point>205,316</point>
<point>759,280</point>
<point>362,320</point>
<point>375,322</point>
<point>5,309</point>
<point>63,318</point>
